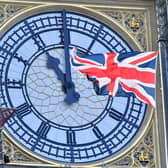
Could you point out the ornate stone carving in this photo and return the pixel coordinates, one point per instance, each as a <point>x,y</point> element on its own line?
<point>15,154</point>
<point>127,161</point>
<point>140,156</point>
<point>143,153</point>
<point>132,21</point>
<point>143,156</point>
<point>8,10</point>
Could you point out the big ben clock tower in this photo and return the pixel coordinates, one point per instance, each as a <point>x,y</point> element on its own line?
<point>51,128</point>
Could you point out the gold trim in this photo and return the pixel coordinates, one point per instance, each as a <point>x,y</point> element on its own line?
<point>148,30</point>
<point>132,4</point>
<point>97,15</point>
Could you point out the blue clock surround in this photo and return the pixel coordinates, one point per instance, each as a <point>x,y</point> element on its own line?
<point>112,129</point>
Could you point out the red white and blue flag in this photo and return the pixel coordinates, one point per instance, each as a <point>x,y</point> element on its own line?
<point>133,72</point>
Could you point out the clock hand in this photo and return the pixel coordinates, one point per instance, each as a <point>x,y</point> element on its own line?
<point>53,63</point>
<point>71,95</point>
<point>68,87</point>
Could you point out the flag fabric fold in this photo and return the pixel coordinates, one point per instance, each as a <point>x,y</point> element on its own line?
<point>120,74</point>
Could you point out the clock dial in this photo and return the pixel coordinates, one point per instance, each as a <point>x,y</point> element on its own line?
<point>89,129</point>
<point>46,94</point>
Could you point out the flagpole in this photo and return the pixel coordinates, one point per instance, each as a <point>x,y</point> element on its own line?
<point>163,53</point>
<point>163,56</point>
<point>1,147</point>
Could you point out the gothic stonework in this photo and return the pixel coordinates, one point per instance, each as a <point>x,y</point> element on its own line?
<point>9,10</point>
<point>140,156</point>
<point>126,161</point>
<point>132,21</point>
<point>15,154</point>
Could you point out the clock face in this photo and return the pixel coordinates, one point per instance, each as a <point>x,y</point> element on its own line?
<point>91,128</point>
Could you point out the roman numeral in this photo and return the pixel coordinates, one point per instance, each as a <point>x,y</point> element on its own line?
<point>97,132</point>
<point>37,39</point>
<point>23,110</point>
<point>8,46</point>
<point>20,59</point>
<point>4,52</point>
<point>15,84</point>
<point>95,38</point>
<point>115,114</point>
<point>71,139</point>
<point>43,129</point>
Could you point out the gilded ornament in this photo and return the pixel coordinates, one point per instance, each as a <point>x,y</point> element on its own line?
<point>2,16</point>
<point>134,23</point>
<point>143,156</point>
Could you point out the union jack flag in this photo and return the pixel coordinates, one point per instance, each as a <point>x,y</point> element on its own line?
<point>111,73</point>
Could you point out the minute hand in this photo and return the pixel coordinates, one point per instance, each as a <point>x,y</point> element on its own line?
<point>71,95</point>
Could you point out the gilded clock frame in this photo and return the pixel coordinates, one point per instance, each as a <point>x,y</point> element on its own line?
<point>100,11</point>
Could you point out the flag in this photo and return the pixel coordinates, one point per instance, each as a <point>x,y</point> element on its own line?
<point>5,114</point>
<point>120,73</point>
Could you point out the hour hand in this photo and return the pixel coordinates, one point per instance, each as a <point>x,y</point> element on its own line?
<point>53,63</point>
<point>68,87</point>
